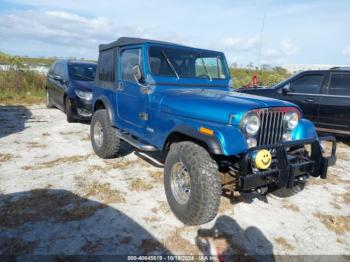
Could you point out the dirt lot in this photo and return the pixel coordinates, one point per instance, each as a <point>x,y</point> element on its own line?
<point>57,197</point>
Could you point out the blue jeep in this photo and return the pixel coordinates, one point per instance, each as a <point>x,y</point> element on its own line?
<point>160,96</point>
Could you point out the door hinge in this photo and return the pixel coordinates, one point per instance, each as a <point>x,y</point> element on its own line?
<point>143,116</point>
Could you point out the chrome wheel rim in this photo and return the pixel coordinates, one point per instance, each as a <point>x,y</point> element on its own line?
<point>98,134</point>
<point>180,183</point>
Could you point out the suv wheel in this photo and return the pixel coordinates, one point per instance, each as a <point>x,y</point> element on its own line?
<point>288,192</point>
<point>68,109</point>
<point>48,99</point>
<point>192,183</point>
<point>103,138</point>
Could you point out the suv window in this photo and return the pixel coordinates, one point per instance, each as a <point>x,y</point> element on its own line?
<point>129,59</point>
<point>309,84</point>
<point>59,69</point>
<point>339,84</point>
<point>106,66</point>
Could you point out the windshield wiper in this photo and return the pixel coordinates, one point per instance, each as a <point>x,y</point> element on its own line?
<point>170,64</point>
<point>205,67</point>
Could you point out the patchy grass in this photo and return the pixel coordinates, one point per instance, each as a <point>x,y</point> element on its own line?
<point>103,192</point>
<point>156,175</point>
<point>225,205</point>
<point>58,161</point>
<point>42,205</point>
<point>175,242</point>
<point>119,164</point>
<point>35,145</point>
<point>139,185</point>
<point>282,242</point>
<point>45,134</point>
<point>86,138</point>
<point>16,246</point>
<point>5,157</point>
<point>290,206</point>
<point>338,224</point>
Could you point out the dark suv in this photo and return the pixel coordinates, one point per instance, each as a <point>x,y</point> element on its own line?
<point>323,95</point>
<point>69,87</point>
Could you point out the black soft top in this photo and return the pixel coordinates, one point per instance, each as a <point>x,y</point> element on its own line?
<point>122,41</point>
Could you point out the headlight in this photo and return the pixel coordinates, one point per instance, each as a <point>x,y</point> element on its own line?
<point>86,95</point>
<point>251,123</point>
<point>291,120</point>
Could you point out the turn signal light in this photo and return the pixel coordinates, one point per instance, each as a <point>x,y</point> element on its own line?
<point>206,131</point>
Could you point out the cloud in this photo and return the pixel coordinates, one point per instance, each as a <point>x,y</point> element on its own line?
<point>280,54</point>
<point>240,43</point>
<point>63,29</point>
<point>346,53</point>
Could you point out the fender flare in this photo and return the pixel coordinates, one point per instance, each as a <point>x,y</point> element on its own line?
<point>107,104</point>
<point>212,142</point>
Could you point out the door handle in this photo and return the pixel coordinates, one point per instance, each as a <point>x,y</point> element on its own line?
<point>120,86</point>
<point>309,100</point>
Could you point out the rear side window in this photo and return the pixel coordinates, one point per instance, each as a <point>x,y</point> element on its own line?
<point>129,59</point>
<point>308,84</point>
<point>339,84</point>
<point>106,66</point>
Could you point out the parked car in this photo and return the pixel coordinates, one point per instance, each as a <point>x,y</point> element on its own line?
<point>323,95</point>
<point>69,88</point>
<point>166,97</point>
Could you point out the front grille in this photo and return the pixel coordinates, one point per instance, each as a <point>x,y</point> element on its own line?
<point>271,126</point>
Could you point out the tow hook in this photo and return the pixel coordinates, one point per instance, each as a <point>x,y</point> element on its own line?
<point>261,190</point>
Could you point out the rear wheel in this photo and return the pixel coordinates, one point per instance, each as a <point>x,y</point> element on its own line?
<point>192,183</point>
<point>68,109</point>
<point>103,136</point>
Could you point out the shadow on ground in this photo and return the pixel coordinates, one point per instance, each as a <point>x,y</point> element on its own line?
<point>58,222</point>
<point>231,243</point>
<point>12,119</point>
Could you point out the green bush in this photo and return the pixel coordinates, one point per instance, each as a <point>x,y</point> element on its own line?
<point>18,83</point>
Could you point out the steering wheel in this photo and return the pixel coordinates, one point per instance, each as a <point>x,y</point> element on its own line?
<point>204,76</point>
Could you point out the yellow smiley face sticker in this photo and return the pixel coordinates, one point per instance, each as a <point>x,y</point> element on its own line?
<point>263,159</point>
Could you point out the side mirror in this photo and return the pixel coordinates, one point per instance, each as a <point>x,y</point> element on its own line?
<point>58,78</point>
<point>286,89</point>
<point>136,70</point>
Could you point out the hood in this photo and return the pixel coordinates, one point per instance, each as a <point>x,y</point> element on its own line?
<point>214,105</point>
<point>83,85</point>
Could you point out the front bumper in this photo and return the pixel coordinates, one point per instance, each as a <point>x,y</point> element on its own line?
<point>286,171</point>
<point>82,109</point>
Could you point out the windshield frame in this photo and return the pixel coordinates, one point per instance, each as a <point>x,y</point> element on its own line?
<point>201,54</point>
<point>71,76</point>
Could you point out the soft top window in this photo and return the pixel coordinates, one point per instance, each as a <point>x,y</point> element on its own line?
<point>187,63</point>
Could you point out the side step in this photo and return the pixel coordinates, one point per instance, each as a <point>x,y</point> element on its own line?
<point>134,142</point>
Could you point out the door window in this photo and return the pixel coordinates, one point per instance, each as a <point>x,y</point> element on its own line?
<point>307,84</point>
<point>129,59</point>
<point>339,84</point>
<point>59,69</point>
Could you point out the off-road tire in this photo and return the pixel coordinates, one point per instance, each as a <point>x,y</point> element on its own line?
<point>111,143</point>
<point>48,100</point>
<point>204,198</point>
<point>68,110</point>
<point>288,192</point>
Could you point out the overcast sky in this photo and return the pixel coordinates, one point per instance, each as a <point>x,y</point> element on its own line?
<point>293,32</point>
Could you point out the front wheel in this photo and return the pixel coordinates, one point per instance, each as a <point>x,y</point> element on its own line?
<point>48,99</point>
<point>192,183</point>
<point>68,109</point>
<point>103,136</point>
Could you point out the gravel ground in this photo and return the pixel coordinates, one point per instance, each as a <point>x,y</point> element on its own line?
<point>57,197</point>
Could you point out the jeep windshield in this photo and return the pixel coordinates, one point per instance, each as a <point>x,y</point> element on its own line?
<point>187,63</point>
<point>82,71</point>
